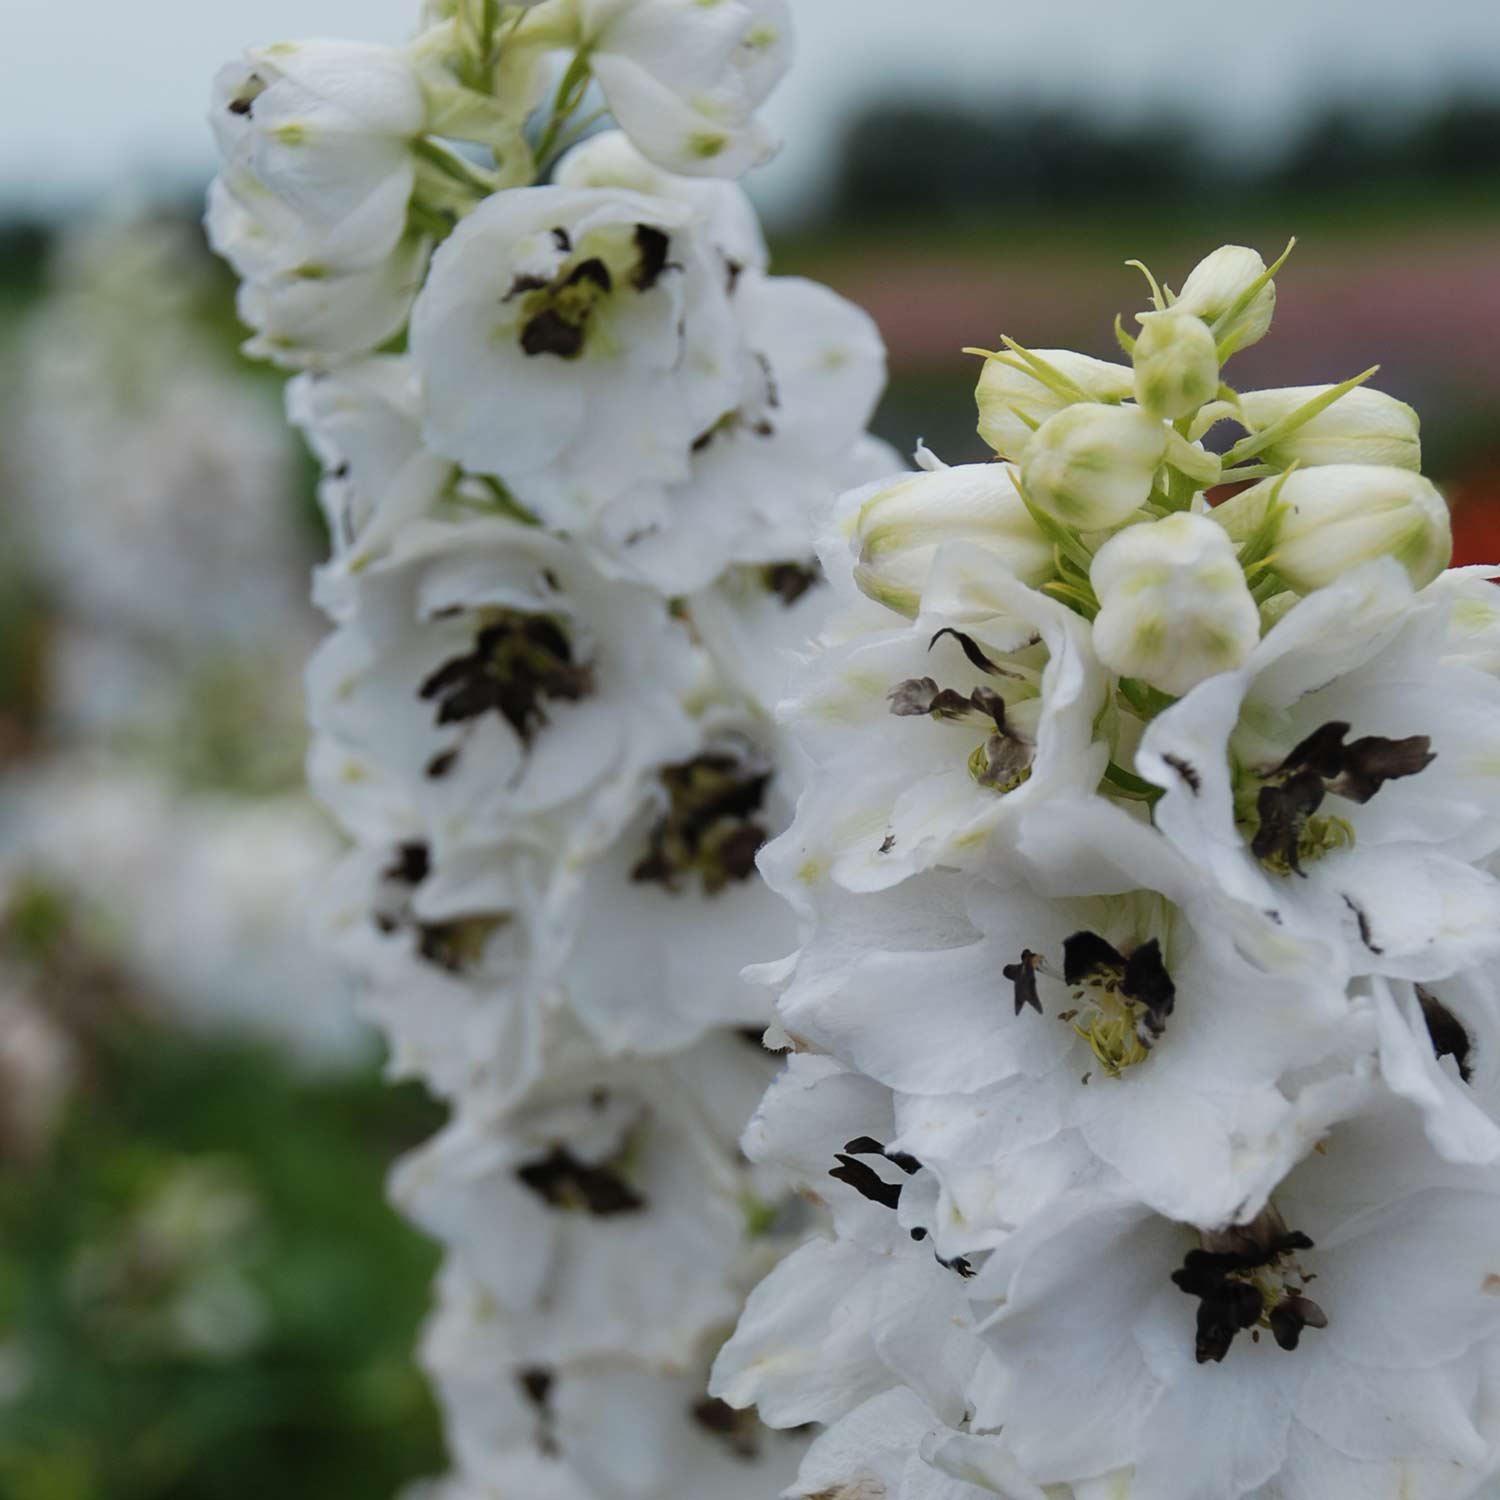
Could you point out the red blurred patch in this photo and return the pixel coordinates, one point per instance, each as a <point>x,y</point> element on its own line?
<point>1475,502</point>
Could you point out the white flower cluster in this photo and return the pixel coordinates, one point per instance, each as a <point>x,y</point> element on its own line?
<point>574,438</point>
<point>1145,1024</point>
<point>134,451</point>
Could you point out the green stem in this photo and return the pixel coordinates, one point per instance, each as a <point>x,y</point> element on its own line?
<point>570,91</point>
<point>453,166</point>
<point>1146,700</point>
<point>1075,598</point>
<point>573,137</point>
<point>507,503</point>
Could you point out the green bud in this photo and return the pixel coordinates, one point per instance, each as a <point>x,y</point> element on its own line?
<point>1176,364</point>
<point>901,525</point>
<point>1361,427</point>
<point>1322,522</point>
<point>1174,606</point>
<point>1013,402</point>
<point>1092,467</point>
<point>1218,290</point>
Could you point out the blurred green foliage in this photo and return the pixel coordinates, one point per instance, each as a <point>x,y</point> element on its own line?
<point>927,156</point>
<point>203,1294</point>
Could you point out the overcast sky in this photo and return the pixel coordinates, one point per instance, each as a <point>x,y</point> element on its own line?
<point>97,93</point>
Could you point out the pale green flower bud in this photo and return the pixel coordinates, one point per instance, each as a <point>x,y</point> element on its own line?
<point>1361,427</point>
<point>1013,403</point>
<point>901,525</point>
<point>1218,290</point>
<point>1176,364</point>
<point>1319,523</point>
<point>1092,467</point>
<point>1174,606</point>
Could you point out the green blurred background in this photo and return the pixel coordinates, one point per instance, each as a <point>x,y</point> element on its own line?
<point>202,1293</point>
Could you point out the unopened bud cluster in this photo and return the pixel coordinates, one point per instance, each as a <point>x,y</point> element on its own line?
<point>1087,450</point>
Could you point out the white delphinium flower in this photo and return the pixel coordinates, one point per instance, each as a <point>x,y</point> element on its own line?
<point>494,676</point>
<point>812,369</point>
<point>312,207</point>
<point>845,1318</point>
<point>757,621</point>
<point>607,1212</point>
<point>811,364</point>
<point>363,422</point>
<point>319,133</point>
<point>625,1429</point>
<point>1344,779</point>
<point>675,909</point>
<point>454,969</point>
<point>574,342</point>
<point>932,738</point>
<point>1198,1072</point>
<point>1338,1344</point>
<point>684,80</point>
<point>1438,1050</point>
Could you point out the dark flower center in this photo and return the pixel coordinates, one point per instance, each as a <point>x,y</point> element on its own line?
<point>739,1431</point>
<point>456,944</point>
<point>1287,827</point>
<point>557,313</point>
<point>519,662</point>
<point>564,1182</point>
<point>1449,1036</point>
<point>1248,1278</point>
<point>537,1383</point>
<point>1121,1004</point>
<point>1003,761</point>
<point>709,829</point>
<point>789,581</point>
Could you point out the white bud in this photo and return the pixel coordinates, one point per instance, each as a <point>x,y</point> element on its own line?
<point>1092,467</point>
<point>903,523</point>
<point>1322,522</point>
<point>1361,427</point>
<point>1216,291</point>
<point>1013,403</point>
<point>1176,364</point>
<point>1174,606</point>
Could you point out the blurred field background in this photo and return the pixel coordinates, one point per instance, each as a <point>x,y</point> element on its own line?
<point>202,1295</point>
